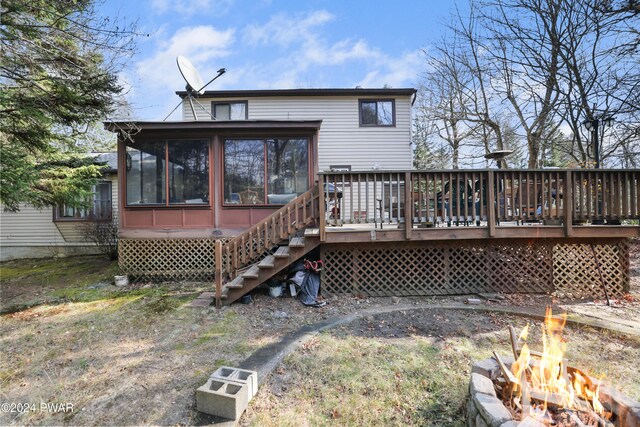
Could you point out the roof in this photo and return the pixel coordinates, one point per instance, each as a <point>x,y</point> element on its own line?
<point>111,159</point>
<point>114,126</point>
<point>303,92</point>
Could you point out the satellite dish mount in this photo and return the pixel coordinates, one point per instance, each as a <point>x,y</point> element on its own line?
<point>195,86</point>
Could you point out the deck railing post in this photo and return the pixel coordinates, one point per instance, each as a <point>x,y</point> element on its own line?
<point>321,209</point>
<point>218,272</point>
<point>491,203</point>
<point>567,198</point>
<point>408,205</point>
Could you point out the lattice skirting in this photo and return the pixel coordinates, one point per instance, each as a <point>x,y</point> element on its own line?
<point>566,267</point>
<point>167,259</point>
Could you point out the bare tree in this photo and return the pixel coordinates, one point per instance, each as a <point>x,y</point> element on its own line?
<point>444,98</point>
<point>551,65</point>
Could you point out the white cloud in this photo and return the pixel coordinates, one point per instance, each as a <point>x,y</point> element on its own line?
<point>395,72</point>
<point>158,75</point>
<point>199,44</point>
<point>186,8</point>
<point>285,30</point>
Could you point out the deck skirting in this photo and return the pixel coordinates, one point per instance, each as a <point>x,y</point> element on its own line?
<point>167,259</point>
<point>565,267</point>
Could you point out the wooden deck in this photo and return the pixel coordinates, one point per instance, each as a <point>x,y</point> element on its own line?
<point>472,223</point>
<point>478,204</point>
<point>423,233</point>
<point>359,233</point>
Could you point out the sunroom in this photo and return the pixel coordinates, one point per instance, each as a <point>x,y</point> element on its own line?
<point>210,179</point>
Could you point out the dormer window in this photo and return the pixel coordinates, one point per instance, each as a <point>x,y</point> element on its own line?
<point>232,110</point>
<point>377,112</point>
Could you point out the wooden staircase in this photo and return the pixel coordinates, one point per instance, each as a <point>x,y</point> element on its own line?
<point>251,258</point>
<point>269,266</point>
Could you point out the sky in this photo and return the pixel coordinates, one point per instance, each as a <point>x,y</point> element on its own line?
<point>275,44</point>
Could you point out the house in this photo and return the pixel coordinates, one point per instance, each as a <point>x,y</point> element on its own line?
<point>58,231</point>
<point>250,152</point>
<point>246,172</point>
<point>239,155</point>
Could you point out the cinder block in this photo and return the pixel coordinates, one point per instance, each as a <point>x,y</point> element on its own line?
<point>238,376</point>
<point>222,398</point>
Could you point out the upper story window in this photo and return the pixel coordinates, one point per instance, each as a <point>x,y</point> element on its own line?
<point>232,110</point>
<point>98,207</point>
<point>178,168</point>
<point>377,112</point>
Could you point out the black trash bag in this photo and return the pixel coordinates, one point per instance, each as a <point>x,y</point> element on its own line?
<point>310,288</point>
<point>305,275</point>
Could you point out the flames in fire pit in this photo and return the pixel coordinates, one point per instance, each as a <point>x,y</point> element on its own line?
<point>541,385</point>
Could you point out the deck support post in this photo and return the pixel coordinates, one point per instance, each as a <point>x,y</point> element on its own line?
<point>568,204</point>
<point>491,203</point>
<point>321,209</point>
<point>408,205</point>
<point>218,272</point>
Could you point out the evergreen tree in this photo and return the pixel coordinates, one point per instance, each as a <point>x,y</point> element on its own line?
<point>58,72</point>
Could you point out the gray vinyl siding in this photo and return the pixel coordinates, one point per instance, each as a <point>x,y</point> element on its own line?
<point>341,139</point>
<point>32,227</point>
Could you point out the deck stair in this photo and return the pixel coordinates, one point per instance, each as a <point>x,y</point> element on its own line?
<point>267,248</point>
<point>271,265</point>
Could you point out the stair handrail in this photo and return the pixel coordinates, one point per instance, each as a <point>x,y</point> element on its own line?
<point>277,227</point>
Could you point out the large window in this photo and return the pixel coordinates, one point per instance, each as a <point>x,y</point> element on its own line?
<point>234,110</point>
<point>184,162</point>
<point>377,112</point>
<point>98,207</point>
<point>188,172</point>
<point>265,171</point>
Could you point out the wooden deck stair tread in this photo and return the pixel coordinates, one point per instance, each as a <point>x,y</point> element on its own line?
<point>282,252</point>
<point>267,262</point>
<point>252,273</point>
<point>296,242</point>
<point>237,283</point>
<point>312,232</point>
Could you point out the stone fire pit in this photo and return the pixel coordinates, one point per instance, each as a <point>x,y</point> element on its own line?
<point>485,408</point>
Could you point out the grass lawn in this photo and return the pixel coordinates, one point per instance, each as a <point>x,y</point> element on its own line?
<point>413,369</point>
<point>135,355</point>
<point>120,356</point>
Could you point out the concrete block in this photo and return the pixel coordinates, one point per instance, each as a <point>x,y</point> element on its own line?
<point>472,412</point>
<point>492,410</point>
<point>487,367</point>
<point>481,384</point>
<point>223,399</point>
<point>531,422</point>
<point>480,422</point>
<point>238,376</point>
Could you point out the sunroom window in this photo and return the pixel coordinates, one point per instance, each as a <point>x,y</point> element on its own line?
<point>146,173</point>
<point>179,168</point>
<point>188,172</point>
<point>265,171</point>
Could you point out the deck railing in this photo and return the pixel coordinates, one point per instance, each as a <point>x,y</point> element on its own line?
<point>248,247</point>
<point>482,197</point>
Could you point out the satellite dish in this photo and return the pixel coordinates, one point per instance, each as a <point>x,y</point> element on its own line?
<point>190,75</point>
<point>195,86</point>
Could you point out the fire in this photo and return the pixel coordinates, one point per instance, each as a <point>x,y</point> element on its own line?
<point>545,376</point>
